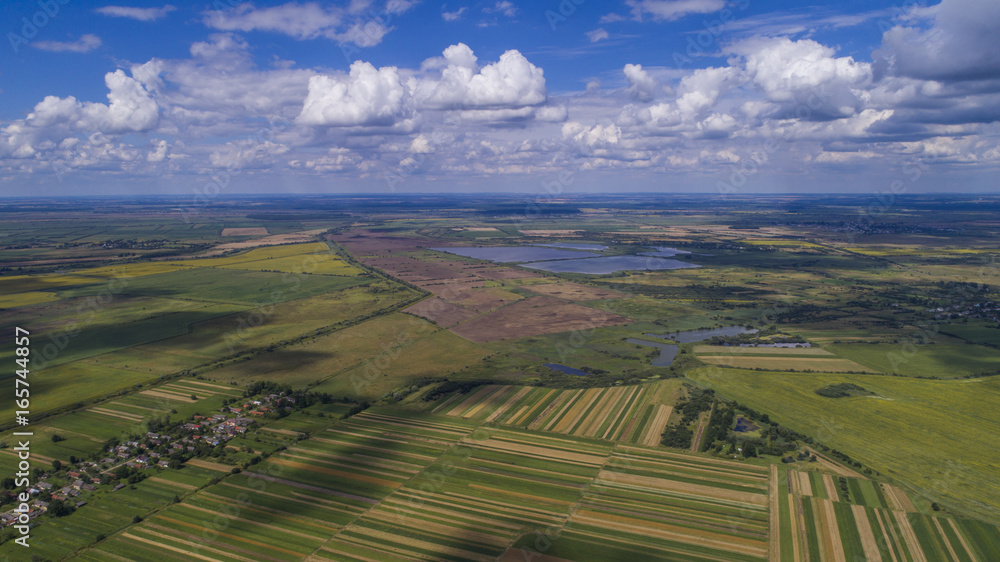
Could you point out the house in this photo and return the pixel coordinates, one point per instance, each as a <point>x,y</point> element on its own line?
<point>116,488</point>
<point>80,504</point>
<point>72,474</point>
<point>44,485</point>
<point>164,464</point>
<point>77,484</point>
<point>88,487</point>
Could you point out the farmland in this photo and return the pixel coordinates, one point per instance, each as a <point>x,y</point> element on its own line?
<point>630,414</point>
<point>468,409</point>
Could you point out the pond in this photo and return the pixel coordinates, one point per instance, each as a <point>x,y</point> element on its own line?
<point>567,370</point>
<point>668,351</point>
<point>744,425</point>
<point>692,336</point>
<point>610,264</point>
<point>515,253</point>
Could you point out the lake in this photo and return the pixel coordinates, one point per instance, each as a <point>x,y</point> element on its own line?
<point>692,336</point>
<point>610,264</point>
<point>515,253</point>
<point>668,351</point>
<point>574,246</point>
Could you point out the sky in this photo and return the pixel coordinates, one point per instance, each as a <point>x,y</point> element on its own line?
<point>550,97</point>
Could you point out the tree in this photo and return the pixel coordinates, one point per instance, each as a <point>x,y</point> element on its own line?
<point>193,397</point>
<point>56,465</point>
<point>136,519</point>
<point>59,508</point>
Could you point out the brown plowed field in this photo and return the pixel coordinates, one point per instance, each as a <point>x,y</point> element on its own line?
<point>575,292</point>
<point>535,316</point>
<point>441,312</point>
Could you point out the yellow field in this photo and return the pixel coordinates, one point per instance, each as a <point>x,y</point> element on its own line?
<point>320,264</point>
<point>24,299</point>
<point>798,243</point>
<point>26,283</point>
<point>918,251</point>
<point>136,269</point>
<point>818,364</point>
<point>789,351</point>
<point>267,252</point>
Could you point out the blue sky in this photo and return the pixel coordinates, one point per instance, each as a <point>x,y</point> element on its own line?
<point>712,96</point>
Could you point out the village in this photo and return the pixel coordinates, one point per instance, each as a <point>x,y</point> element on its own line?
<point>64,488</point>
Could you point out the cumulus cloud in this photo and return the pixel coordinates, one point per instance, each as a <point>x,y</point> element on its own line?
<point>366,97</point>
<point>140,14</point>
<point>512,81</point>
<point>421,145</point>
<point>804,77</point>
<point>158,154</point>
<point>86,43</point>
<point>130,109</point>
<point>954,40</point>
<point>54,124</point>
<point>666,10</point>
<point>641,85</point>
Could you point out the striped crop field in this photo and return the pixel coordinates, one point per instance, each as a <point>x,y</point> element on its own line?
<point>494,486</point>
<point>825,517</point>
<point>290,505</point>
<point>630,414</point>
<point>392,485</point>
<point>652,505</point>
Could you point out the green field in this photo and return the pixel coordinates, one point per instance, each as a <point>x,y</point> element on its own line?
<point>913,431</point>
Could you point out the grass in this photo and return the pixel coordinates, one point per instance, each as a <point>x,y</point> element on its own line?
<point>240,287</point>
<point>947,357</point>
<point>937,437</point>
<point>436,354</point>
<point>821,364</point>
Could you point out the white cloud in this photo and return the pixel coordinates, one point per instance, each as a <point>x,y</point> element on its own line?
<point>597,35</point>
<point>130,110</point>
<point>454,16</point>
<point>141,14</point>
<point>666,10</point>
<point>611,18</point>
<point>159,154</point>
<point>512,82</point>
<point>421,145</point>
<point>552,113</point>
<point>397,7</point>
<point>781,66</point>
<point>86,43</point>
<point>953,40</point>
<point>367,97</point>
<point>594,136</point>
<point>308,20</point>
<point>504,7</point>
<point>641,85</point>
